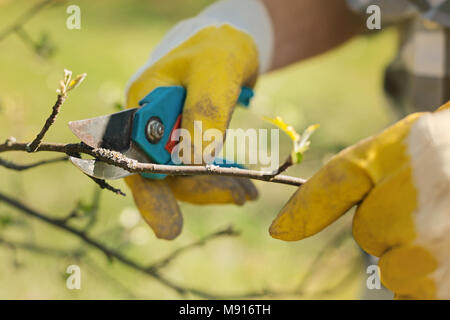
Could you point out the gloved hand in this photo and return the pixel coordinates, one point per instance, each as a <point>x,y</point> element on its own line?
<point>212,58</point>
<point>400,180</point>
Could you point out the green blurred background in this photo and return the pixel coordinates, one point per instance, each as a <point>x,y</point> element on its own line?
<point>341,90</point>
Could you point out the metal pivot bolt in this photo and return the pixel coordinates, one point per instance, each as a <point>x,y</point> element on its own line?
<point>154,130</point>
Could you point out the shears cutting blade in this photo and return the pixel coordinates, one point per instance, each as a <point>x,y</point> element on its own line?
<point>144,134</point>
<point>99,169</point>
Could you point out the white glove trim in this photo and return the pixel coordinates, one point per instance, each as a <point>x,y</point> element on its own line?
<point>429,149</point>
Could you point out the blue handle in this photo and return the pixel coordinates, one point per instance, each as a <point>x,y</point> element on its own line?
<point>166,104</point>
<point>245,96</point>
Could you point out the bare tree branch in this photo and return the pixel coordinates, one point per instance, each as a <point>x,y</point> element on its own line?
<point>228,231</point>
<point>76,254</point>
<point>101,273</point>
<point>40,249</point>
<point>334,244</point>
<point>18,24</point>
<point>105,185</point>
<point>114,255</point>
<point>21,167</point>
<point>42,47</point>
<point>153,269</point>
<point>109,253</point>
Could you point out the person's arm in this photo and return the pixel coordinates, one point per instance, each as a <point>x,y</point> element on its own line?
<point>305,28</point>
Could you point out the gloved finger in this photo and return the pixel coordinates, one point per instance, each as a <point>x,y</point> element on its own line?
<point>343,182</point>
<point>157,205</point>
<point>406,271</point>
<point>213,89</point>
<point>321,200</point>
<point>212,189</point>
<point>153,198</point>
<point>250,190</point>
<point>385,217</point>
<point>209,104</point>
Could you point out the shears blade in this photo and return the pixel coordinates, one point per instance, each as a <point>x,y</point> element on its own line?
<point>144,134</point>
<point>111,131</point>
<point>99,169</point>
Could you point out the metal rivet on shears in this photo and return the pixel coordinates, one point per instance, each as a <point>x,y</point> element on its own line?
<point>154,130</point>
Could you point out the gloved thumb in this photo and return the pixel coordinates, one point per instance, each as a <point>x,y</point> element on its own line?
<point>322,199</point>
<point>214,86</point>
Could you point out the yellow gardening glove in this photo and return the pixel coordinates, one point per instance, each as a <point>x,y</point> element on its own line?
<point>400,180</point>
<point>212,65</point>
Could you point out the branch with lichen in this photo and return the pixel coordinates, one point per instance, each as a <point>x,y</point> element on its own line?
<point>120,160</point>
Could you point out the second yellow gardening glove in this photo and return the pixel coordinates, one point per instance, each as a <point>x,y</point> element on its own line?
<point>212,56</point>
<point>401,181</point>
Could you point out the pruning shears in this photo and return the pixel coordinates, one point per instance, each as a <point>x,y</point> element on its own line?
<point>145,134</point>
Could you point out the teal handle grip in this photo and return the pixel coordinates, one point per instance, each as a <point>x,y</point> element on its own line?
<point>245,96</point>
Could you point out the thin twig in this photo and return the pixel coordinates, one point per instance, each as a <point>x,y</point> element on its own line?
<point>72,214</point>
<point>331,245</point>
<point>99,272</point>
<point>26,38</point>
<point>20,167</point>
<point>92,212</point>
<point>286,164</point>
<point>32,147</point>
<point>229,232</point>
<point>18,24</point>
<point>105,185</point>
<point>40,249</point>
<point>301,289</point>
<point>108,252</point>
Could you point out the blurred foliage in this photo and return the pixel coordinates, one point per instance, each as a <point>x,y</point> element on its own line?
<point>341,90</point>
